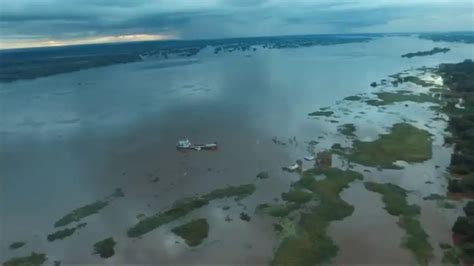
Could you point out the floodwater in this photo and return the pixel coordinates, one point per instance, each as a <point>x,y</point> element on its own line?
<point>70,139</point>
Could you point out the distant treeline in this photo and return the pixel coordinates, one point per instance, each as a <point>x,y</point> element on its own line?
<point>31,63</point>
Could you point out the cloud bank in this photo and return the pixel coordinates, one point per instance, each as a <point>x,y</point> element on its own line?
<point>62,21</point>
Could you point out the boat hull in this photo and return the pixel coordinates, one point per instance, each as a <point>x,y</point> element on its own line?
<point>198,147</point>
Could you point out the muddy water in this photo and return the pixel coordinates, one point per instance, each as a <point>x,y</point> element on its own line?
<point>70,139</point>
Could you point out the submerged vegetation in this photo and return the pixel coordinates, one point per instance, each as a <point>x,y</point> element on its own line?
<point>387,98</point>
<point>31,260</point>
<point>80,213</point>
<point>17,245</point>
<point>451,255</point>
<point>305,241</point>
<point>347,130</point>
<point>105,248</point>
<point>61,234</point>
<point>263,175</point>
<point>404,142</point>
<point>193,232</point>
<point>321,113</point>
<point>353,98</point>
<point>182,208</point>
<point>433,51</point>
<point>394,198</point>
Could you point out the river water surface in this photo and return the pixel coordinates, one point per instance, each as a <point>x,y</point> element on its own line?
<point>70,139</point>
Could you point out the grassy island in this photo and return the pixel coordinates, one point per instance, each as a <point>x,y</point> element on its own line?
<point>105,248</point>
<point>311,205</point>
<point>404,142</point>
<point>193,232</point>
<point>182,208</point>
<point>17,245</point>
<point>416,240</point>
<point>31,260</point>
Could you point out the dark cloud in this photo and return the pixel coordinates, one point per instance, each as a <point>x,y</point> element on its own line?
<point>212,18</point>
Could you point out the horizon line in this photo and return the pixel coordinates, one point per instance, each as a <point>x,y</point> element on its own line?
<point>177,39</point>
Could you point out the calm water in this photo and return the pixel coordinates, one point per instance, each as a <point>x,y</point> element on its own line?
<point>70,139</point>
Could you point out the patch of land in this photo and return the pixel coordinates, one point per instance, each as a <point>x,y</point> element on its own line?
<point>17,245</point>
<point>33,259</point>
<point>82,212</point>
<point>463,230</point>
<point>182,208</point>
<point>193,232</point>
<point>403,142</point>
<point>387,98</point>
<point>105,247</point>
<point>311,205</point>
<point>61,234</point>
<point>263,175</point>
<point>347,130</point>
<point>416,240</point>
<point>321,113</point>
<point>41,62</point>
<point>459,78</point>
<point>433,51</point>
<point>461,37</point>
<point>353,98</point>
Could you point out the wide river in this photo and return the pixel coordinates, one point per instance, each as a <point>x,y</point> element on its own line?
<point>70,139</point>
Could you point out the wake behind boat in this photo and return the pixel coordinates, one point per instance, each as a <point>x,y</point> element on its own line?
<point>187,145</point>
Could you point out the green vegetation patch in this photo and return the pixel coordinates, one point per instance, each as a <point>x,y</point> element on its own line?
<point>463,185</point>
<point>464,230</point>
<point>310,244</point>
<point>105,248</point>
<point>417,81</point>
<point>33,259</point>
<point>404,142</point>
<point>277,210</point>
<point>416,240</point>
<point>118,193</point>
<point>182,208</point>
<point>321,113</point>
<point>451,256</point>
<point>61,234</point>
<point>80,213</point>
<point>347,130</point>
<point>297,196</point>
<point>469,209</point>
<point>387,98</point>
<point>193,232</point>
<point>263,175</point>
<point>433,196</point>
<point>17,245</point>
<point>353,98</point>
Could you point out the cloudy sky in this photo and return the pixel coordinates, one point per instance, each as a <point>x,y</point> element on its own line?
<point>56,22</point>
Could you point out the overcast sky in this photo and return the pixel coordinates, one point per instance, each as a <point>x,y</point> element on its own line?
<point>50,22</point>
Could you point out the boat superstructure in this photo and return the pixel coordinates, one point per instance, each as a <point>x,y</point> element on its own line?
<point>185,144</point>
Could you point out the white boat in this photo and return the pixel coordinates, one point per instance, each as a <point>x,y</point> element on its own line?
<point>187,145</point>
<point>291,168</point>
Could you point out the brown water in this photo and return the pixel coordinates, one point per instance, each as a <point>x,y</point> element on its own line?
<point>65,144</point>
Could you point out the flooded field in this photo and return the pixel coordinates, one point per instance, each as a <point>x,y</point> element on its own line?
<point>89,171</point>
